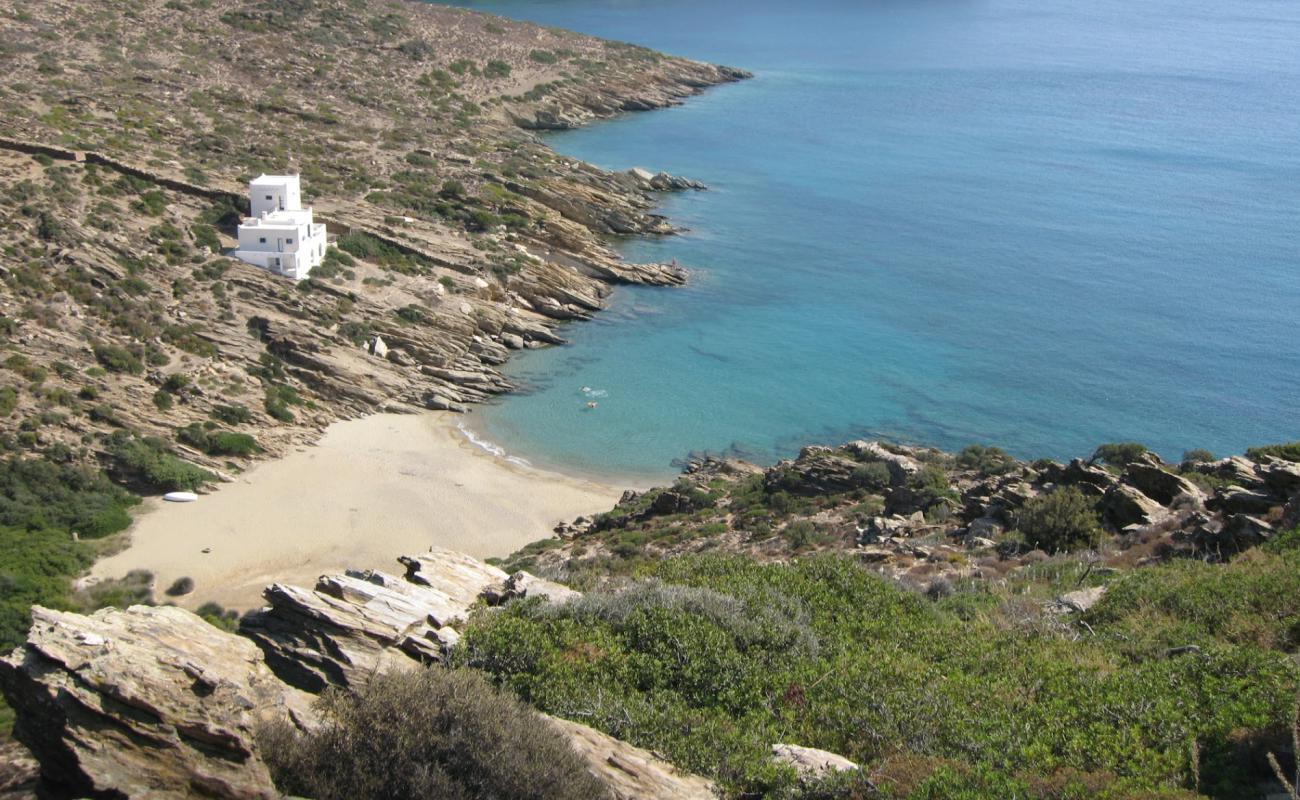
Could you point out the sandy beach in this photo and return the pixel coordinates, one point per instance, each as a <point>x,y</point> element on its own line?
<point>372,489</point>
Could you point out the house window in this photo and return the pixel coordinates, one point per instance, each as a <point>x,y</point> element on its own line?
<point>269,197</point>
<point>262,240</point>
<point>289,240</point>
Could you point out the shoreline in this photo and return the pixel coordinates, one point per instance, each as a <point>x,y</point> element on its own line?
<point>368,491</point>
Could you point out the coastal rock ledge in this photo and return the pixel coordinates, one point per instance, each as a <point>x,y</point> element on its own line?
<point>155,702</point>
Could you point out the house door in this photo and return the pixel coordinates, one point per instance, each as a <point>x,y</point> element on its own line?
<point>279,245</point>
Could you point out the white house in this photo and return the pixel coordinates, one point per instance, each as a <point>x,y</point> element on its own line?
<point>280,236</point>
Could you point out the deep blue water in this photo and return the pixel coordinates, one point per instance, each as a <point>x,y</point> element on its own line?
<point>1034,223</point>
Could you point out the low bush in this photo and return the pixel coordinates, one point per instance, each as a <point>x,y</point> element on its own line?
<point>1289,451</point>
<point>151,466</point>
<point>988,461</point>
<point>232,415</point>
<point>118,359</point>
<point>428,733</point>
<point>1061,520</point>
<point>1119,454</point>
<point>38,495</point>
<point>180,587</point>
<point>722,656</point>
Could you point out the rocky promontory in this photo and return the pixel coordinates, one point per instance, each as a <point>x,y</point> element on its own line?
<point>156,702</point>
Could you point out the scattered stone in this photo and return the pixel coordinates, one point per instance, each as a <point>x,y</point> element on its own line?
<point>811,764</point>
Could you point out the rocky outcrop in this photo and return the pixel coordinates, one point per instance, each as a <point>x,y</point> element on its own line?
<point>146,702</point>
<point>352,625</point>
<point>630,772</point>
<point>1125,505</point>
<point>155,702</point>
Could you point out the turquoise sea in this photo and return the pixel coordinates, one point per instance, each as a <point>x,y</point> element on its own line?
<point>1033,223</point>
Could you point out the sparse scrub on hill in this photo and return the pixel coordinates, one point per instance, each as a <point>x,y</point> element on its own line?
<point>428,733</point>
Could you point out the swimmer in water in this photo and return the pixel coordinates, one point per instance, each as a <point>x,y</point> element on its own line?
<point>591,404</point>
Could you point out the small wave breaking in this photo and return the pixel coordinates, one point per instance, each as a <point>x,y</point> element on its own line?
<point>490,447</point>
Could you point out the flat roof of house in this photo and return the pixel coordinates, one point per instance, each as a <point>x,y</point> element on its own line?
<point>272,180</point>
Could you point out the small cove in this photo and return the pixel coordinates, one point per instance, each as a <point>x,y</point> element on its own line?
<point>1031,224</point>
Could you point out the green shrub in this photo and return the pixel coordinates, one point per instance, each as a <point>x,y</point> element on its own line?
<point>1061,520</point>
<point>428,733</point>
<point>721,657</point>
<point>1288,452</point>
<point>1197,456</point>
<point>8,400</point>
<point>496,69</point>
<point>36,494</point>
<point>118,359</point>
<point>1253,600</point>
<point>228,443</point>
<point>872,475</point>
<point>232,415</point>
<point>277,402</point>
<point>176,383</point>
<point>543,57</point>
<point>1120,453</point>
<point>162,400</point>
<point>154,468</point>
<point>36,567</point>
<point>988,461</point>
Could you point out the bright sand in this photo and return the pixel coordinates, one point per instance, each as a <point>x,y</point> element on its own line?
<point>372,490</point>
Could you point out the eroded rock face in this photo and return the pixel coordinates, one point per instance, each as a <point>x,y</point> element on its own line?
<point>147,702</point>
<point>354,624</point>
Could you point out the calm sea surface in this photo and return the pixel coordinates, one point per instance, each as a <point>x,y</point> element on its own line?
<point>1033,223</point>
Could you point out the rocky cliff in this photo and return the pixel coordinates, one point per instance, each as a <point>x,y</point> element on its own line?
<point>155,702</point>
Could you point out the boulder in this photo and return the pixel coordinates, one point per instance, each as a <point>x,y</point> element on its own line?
<point>147,702</point>
<point>630,772</point>
<point>901,467</point>
<point>1124,505</point>
<point>1077,601</point>
<point>1162,485</point>
<point>811,764</point>
<point>1089,478</point>
<point>1282,477</point>
<point>1235,469</point>
<point>525,584</point>
<point>1236,500</point>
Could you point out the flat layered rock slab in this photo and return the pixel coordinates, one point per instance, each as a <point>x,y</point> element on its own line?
<point>146,702</point>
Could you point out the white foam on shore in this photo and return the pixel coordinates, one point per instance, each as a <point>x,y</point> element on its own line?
<point>490,447</point>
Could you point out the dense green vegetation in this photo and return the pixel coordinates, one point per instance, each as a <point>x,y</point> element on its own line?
<point>981,694</point>
<point>42,505</point>
<point>432,733</point>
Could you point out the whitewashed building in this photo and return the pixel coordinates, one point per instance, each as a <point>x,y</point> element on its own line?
<point>280,236</point>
